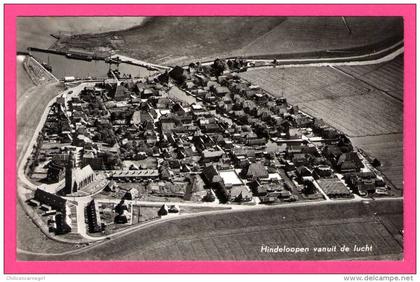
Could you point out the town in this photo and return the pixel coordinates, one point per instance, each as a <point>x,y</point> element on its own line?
<point>121,152</point>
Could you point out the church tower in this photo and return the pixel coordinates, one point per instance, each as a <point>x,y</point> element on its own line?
<point>69,174</point>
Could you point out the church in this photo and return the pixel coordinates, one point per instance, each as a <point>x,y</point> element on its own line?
<point>77,178</point>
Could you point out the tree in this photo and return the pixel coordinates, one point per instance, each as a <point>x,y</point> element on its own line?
<point>218,67</point>
<point>177,74</point>
<point>221,192</point>
<point>309,188</point>
<point>209,197</point>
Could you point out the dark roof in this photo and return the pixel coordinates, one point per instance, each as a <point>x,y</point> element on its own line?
<point>120,92</point>
<point>257,170</point>
<point>209,173</point>
<point>333,186</point>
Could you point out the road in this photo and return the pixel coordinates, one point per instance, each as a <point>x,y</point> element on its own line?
<point>137,233</point>
<point>376,57</point>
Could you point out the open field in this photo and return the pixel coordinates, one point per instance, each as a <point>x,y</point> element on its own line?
<point>239,235</point>
<point>35,31</point>
<point>365,102</point>
<point>387,77</point>
<point>172,40</point>
<point>309,34</point>
<point>328,93</point>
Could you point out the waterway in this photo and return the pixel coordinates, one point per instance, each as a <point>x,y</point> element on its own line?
<point>63,66</point>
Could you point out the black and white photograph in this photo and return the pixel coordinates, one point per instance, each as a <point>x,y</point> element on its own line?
<point>198,138</point>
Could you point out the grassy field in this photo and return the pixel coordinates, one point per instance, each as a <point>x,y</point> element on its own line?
<point>172,40</point>
<point>296,35</point>
<point>239,235</point>
<point>365,102</point>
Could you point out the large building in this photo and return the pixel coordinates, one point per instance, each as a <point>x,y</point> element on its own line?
<point>77,178</point>
<point>93,217</point>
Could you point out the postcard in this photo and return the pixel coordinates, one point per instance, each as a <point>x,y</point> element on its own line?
<point>209,138</point>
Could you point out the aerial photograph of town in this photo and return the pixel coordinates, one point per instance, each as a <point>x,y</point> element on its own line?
<point>209,138</point>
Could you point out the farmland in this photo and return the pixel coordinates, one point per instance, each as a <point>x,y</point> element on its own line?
<point>308,34</point>
<point>239,235</point>
<point>385,76</point>
<point>365,102</point>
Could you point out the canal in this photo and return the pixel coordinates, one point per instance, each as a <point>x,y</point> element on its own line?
<point>63,66</point>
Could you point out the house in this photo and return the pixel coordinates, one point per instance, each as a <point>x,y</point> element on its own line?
<point>122,213</point>
<point>256,142</point>
<point>178,74</point>
<point>267,200</point>
<point>174,209</point>
<point>55,172</point>
<point>349,162</point>
<point>167,124</point>
<point>112,186</point>
<point>221,91</point>
<point>93,217</point>
<point>240,194</point>
<point>147,93</point>
<point>330,133</point>
<point>163,210</point>
<point>198,109</point>
<point>140,117</point>
<point>255,170</point>
<point>195,189</point>
<point>121,93</point>
<point>56,202</point>
<point>211,175</point>
<point>299,159</point>
<point>303,171</point>
<point>323,171</point>
<point>212,154</point>
<point>62,224</point>
<point>334,188</point>
<point>258,189</point>
<point>364,183</point>
<point>131,194</point>
<point>294,133</point>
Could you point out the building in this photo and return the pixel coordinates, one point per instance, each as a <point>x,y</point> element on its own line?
<point>349,162</point>
<point>255,170</point>
<point>54,201</point>
<point>334,188</point>
<point>55,172</point>
<point>62,224</point>
<point>121,93</point>
<point>93,217</point>
<point>133,175</point>
<point>240,194</point>
<point>163,210</point>
<point>77,178</point>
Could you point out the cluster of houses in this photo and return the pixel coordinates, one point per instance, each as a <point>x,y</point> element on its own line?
<point>235,143</point>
